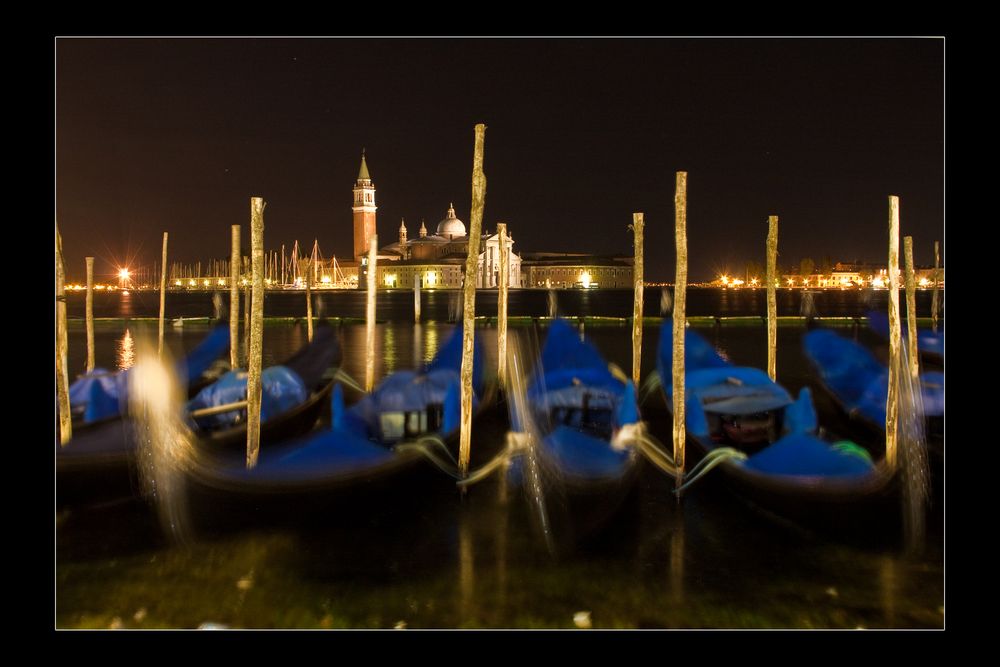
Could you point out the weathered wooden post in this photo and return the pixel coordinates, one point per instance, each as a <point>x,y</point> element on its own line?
<point>934,294</point>
<point>772,301</point>
<point>163,295</point>
<point>256,353</point>
<point>247,304</point>
<point>637,228</point>
<point>502,308</point>
<point>370,315</point>
<point>416,298</point>
<point>309,303</point>
<point>62,372</point>
<point>469,289</point>
<point>911,310</point>
<point>90,314</point>
<point>895,335</point>
<point>680,306</point>
<point>234,299</point>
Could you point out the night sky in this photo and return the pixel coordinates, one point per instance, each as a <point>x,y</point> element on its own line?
<point>176,135</point>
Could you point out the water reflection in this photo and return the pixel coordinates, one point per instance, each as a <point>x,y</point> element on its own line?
<point>465,566</point>
<point>430,344</point>
<point>126,351</point>
<point>126,304</point>
<point>887,589</point>
<point>389,354</point>
<point>677,556</point>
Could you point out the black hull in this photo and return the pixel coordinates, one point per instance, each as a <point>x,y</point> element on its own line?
<point>857,508</point>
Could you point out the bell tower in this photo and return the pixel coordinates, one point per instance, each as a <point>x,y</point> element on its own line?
<point>364,210</point>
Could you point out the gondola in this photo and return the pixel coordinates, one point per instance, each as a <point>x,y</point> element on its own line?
<point>99,462</point>
<point>859,384</point>
<point>411,416</point>
<point>581,417</point>
<point>929,343</point>
<point>767,446</point>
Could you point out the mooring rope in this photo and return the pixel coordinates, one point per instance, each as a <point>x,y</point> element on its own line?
<point>517,443</point>
<point>664,460</point>
<point>712,459</point>
<point>649,385</point>
<point>342,376</point>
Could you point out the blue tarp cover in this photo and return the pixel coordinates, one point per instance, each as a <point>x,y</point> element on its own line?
<point>281,390</point>
<point>582,455</point>
<point>805,454</point>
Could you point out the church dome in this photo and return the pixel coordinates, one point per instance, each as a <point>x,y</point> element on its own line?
<point>451,226</point>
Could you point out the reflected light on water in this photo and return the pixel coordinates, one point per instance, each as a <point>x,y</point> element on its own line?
<point>126,351</point>
<point>430,344</point>
<point>390,356</point>
<point>465,566</point>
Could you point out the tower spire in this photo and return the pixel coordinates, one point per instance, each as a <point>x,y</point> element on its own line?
<point>423,229</point>
<point>402,231</point>
<point>363,172</point>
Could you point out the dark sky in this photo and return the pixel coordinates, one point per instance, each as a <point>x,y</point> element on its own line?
<point>176,135</point>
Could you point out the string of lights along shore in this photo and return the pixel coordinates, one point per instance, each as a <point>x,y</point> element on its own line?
<point>436,260</point>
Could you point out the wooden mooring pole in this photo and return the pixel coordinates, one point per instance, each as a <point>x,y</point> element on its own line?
<point>638,224</point>
<point>772,301</point>
<point>62,372</point>
<point>90,314</point>
<point>163,296</point>
<point>934,294</point>
<point>469,309</point>
<point>370,314</point>
<point>679,328</point>
<point>309,303</point>
<point>895,335</point>
<point>234,298</point>
<point>502,308</point>
<point>911,311</point>
<point>255,357</point>
<point>416,299</point>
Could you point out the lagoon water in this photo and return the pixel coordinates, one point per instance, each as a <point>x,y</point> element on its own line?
<point>435,559</point>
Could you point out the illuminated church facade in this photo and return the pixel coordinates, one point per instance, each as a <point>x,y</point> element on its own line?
<point>437,260</point>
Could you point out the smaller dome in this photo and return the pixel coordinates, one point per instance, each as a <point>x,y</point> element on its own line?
<point>451,226</point>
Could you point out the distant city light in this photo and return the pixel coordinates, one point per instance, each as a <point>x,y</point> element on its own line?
<point>924,282</point>
<point>585,279</point>
<point>325,280</point>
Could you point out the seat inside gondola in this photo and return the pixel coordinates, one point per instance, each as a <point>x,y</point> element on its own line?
<point>581,408</point>
<point>409,424</point>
